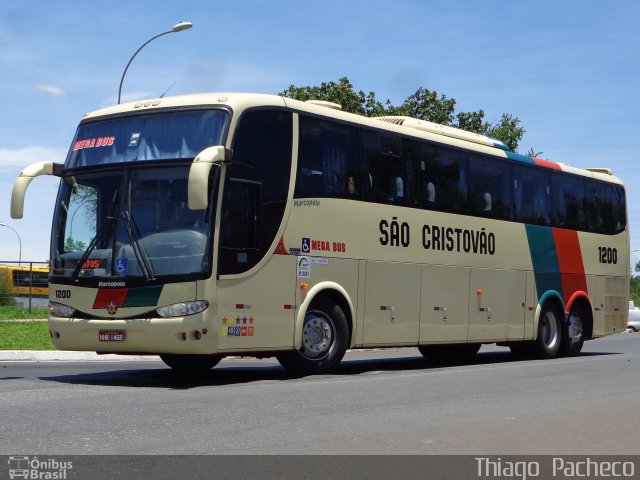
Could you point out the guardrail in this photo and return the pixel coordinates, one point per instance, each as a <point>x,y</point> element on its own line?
<point>24,284</point>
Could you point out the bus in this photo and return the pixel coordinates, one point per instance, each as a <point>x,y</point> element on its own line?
<point>202,226</point>
<point>27,285</point>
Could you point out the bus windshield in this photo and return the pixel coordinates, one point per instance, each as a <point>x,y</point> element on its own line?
<point>175,135</point>
<point>131,222</point>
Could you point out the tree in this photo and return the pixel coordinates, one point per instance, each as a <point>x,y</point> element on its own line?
<point>472,122</point>
<point>424,104</point>
<point>71,245</point>
<point>533,154</point>
<point>341,93</point>
<point>508,130</point>
<point>634,286</point>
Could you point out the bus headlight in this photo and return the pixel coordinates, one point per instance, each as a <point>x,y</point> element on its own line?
<point>59,310</point>
<point>183,309</point>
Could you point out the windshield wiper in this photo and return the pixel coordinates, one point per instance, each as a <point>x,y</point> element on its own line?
<point>138,251</point>
<point>135,245</point>
<point>104,228</point>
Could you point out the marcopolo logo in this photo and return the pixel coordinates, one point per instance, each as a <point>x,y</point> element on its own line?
<point>37,469</point>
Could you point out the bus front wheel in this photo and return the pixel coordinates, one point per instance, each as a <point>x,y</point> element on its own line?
<point>325,336</point>
<point>190,364</point>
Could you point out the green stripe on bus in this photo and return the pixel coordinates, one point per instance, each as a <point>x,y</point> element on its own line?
<point>143,296</point>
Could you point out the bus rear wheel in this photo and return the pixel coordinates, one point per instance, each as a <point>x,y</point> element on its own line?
<point>550,329</point>
<point>190,364</point>
<point>573,333</point>
<point>325,336</point>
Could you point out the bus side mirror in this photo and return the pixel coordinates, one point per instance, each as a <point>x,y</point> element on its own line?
<point>24,179</point>
<point>198,189</point>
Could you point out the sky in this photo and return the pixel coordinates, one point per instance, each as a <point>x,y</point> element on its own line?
<point>569,70</point>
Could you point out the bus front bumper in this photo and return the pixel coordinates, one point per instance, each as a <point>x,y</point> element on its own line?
<point>191,334</point>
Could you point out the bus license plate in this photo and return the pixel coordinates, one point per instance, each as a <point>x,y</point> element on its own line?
<point>111,336</point>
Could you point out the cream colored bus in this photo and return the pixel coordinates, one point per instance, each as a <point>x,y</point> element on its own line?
<point>202,226</point>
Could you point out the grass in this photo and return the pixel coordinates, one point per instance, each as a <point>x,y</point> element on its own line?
<point>17,313</point>
<point>24,336</point>
<point>19,335</point>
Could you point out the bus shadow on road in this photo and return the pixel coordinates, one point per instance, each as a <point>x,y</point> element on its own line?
<point>222,375</point>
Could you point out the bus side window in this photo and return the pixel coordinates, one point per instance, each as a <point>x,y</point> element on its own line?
<point>328,160</point>
<point>442,179</point>
<point>531,195</point>
<point>568,192</point>
<point>390,164</point>
<point>489,191</point>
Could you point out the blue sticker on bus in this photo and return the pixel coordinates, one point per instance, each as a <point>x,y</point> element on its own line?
<point>306,245</point>
<point>121,266</point>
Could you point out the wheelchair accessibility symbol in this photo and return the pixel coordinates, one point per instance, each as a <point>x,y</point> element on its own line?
<point>306,245</point>
<point>121,266</point>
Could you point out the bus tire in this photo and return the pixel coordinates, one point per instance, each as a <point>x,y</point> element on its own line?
<point>573,333</point>
<point>325,337</point>
<point>190,364</point>
<point>550,328</point>
<point>450,353</point>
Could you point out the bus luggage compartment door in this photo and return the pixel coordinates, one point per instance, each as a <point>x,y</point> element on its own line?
<point>392,303</point>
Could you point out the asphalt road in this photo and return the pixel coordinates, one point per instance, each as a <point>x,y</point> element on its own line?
<point>380,402</point>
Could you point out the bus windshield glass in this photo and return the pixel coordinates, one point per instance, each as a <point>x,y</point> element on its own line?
<point>132,222</point>
<point>175,135</point>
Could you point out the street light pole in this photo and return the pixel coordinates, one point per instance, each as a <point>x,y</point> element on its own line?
<point>178,27</point>
<point>19,242</point>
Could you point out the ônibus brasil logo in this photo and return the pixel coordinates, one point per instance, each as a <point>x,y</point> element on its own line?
<point>34,468</point>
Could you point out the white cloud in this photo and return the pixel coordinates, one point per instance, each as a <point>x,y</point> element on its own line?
<point>21,157</point>
<point>52,90</point>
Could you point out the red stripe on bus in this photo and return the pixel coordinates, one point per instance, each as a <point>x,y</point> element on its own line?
<point>106,295</point>
<point>570,263</point>
<point>546,163</point>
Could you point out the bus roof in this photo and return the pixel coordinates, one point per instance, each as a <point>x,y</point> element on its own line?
<point>442,134</point>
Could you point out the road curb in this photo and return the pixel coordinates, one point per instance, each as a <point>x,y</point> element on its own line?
<point>60,356</point>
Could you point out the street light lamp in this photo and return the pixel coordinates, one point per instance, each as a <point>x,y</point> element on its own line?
<point>178,27</point>
<point>19,242</point>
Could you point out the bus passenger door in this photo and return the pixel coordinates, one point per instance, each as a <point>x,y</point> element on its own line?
<point>392,303</point>
<point>255,298</point>
<point>444,314</point>
<point>496,304</point>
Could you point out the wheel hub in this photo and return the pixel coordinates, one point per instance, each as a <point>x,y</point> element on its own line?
<point>317,336</point>
<point>574,329</point>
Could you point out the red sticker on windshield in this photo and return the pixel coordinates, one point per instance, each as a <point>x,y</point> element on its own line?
<point>93,143</point>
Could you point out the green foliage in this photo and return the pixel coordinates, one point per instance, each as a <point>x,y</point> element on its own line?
<point>71,245</point>
<point>507,130</point>
<point>472,122</point>
<point>533,154</point>
<point>341,93</point>
<point>424,104</point>
<point>634,286</point>
<point>634,290</point>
